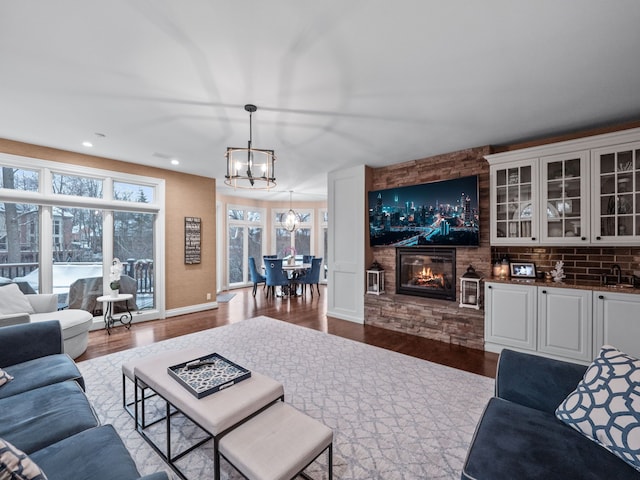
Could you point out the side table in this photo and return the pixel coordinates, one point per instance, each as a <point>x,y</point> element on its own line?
<point>109,319</point>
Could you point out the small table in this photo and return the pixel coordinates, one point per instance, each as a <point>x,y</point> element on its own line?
<point>216,414</point>
<point>125,319</point>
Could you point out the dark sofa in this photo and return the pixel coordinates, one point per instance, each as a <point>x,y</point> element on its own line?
<point>45,413</point>
<point>519,436</point>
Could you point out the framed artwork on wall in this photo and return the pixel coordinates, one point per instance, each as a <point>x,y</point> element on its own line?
<point>192,240</point>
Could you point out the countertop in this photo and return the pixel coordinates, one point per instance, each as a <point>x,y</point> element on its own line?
<point>621,288</point>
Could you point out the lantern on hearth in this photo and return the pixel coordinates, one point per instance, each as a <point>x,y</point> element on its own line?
<point>470,289</point>
<point>375,279</point>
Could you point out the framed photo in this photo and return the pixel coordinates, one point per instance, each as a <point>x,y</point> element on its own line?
<point>523,270</point>
<point>192,240</point>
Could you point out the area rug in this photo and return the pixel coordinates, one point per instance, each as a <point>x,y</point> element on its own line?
<point>393,416</point>
<point>224,297</point>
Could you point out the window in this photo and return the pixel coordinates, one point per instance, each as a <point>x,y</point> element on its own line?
<point>301,239</point>
<point>86,223</point>
<point>244,239</point>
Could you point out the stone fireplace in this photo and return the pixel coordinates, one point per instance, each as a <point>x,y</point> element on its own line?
<point>426,272</point>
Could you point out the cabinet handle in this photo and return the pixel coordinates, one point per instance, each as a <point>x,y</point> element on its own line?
<point>601,297</point>
<point>533,238</point>
<point>544,291</point>
<point>583,238</point>
<point>489,286</point>
<point>597,238</point>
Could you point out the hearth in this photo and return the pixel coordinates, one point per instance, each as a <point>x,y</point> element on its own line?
<point>426,272</point>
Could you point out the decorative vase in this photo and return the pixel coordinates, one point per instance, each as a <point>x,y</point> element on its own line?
<point>115,293</point>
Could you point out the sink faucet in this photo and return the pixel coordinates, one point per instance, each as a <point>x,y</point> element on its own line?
<point>617,271</point>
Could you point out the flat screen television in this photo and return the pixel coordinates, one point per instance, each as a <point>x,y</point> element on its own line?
<point>435,213</point>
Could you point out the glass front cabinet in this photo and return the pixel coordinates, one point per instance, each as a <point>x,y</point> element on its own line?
<point>616,206</point>
<point>579,192</point>
<point>514,202</point>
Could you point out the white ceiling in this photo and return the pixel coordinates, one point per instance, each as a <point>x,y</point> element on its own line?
<point>337,82</point>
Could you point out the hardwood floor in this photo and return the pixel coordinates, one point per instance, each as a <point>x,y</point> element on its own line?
<point>304,311</point>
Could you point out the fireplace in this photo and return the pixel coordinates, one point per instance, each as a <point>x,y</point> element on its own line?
<point>426,272</point>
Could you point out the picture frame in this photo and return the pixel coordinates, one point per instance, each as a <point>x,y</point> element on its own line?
<point>192,239</point>
<point>523,270</point>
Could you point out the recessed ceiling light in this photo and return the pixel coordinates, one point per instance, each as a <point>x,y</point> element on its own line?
<point>87,143</point>
<point>175,161</point>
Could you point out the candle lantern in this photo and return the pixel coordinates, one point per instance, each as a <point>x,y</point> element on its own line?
<point>470,289</point>
<point>375,279</point>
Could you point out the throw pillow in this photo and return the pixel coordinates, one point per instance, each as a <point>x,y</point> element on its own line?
<point>4,377</point>
<point>16,465</point>
<point>12,300</point>
<point>605,406</point>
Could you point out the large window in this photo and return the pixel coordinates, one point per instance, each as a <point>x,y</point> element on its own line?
<point>87,217</point>
<point>300,241</point>
<point>245,227</point>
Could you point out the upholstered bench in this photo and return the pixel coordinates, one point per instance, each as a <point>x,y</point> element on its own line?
<point>277,444</point>
<point>128,376</point>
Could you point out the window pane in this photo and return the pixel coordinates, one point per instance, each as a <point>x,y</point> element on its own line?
<point>77,186</point>
<point>19,179</point>
<point>133,245</point>
<point>234,214</point>
<point>236,259</point>
<point>325,216</point>
<point>305,217</point>
<point>77,256</point>
<point>131,192</point>
<point>283,242</point>
<point>303,241</point>
<point>20,245</point>
<point>253,216</point>
<point>255,244</point>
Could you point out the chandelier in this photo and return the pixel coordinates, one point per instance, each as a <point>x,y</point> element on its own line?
<point>250,167</point>
<point>291,219</point>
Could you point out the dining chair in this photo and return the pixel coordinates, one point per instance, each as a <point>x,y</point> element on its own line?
<point>312,277</point>
<point>307,258</point>
<point>256,277</point>
<point>275,275</point>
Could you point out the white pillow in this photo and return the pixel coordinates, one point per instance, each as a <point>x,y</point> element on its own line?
<point>12,300</point>
<point>605,406</point>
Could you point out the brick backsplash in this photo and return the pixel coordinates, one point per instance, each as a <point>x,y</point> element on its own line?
<point>581,264</point>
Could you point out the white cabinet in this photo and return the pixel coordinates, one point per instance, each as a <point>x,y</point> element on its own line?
<point>564,322</point>
<point>564,199</point>
<point>616,205</point>
<point>553,321</point>
<point>617,321</point>
<point>514,202</point>
<point>578,192</point>
<point>510,316</point>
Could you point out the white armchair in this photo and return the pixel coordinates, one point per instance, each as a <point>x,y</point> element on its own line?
<point>16,307</point>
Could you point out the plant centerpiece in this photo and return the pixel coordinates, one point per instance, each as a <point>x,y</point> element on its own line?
<point>289,254</point>
<point>114,276</point>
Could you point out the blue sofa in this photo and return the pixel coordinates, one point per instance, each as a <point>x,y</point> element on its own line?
<point>45,413</point>
<point>519,436</point>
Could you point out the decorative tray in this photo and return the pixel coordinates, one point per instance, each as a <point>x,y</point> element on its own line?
<point>209,374</point>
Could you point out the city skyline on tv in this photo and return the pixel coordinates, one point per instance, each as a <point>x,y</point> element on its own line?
<point>436,213</point>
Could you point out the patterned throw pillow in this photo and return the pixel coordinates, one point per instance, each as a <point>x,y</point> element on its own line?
<point>606,404</point>
<point>16,465</point>
<point>4,377</point>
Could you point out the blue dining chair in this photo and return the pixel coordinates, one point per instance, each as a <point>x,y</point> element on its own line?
<point>307,258</point>
<point>275,275</point>
<point>312,277</point>
<point>256,277</point>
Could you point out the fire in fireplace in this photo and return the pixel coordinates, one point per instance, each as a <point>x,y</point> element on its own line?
<point>426,272</point>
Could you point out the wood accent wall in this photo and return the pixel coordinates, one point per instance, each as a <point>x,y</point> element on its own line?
<point>435,319</point>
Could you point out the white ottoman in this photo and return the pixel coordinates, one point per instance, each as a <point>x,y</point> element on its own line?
<point>277,444</point>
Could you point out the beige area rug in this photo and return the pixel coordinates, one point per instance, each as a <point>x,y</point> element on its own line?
<point>393,416</point>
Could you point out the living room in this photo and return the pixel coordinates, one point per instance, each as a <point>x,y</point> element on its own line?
<point>352,98</point>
